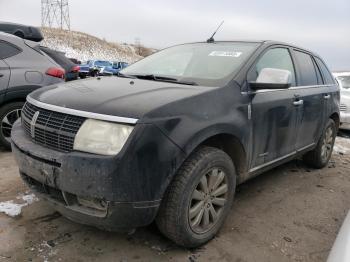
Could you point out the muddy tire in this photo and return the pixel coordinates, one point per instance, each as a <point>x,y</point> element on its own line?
<point>199,198</point>
<point>319,157</point>
<point>9,113</point>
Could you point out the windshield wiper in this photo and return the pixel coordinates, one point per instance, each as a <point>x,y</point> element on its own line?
<point>125,76</point>
<point>165,79</point>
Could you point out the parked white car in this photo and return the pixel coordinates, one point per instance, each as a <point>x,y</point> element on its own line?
<point>344,82</point>
<point>341,248</point>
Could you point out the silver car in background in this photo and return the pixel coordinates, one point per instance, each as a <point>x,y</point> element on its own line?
<point>23,68</point>
<point>344,83</point>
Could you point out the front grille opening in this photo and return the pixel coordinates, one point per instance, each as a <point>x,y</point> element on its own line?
<point>52,129</point>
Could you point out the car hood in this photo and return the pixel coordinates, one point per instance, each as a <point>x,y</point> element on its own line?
<point>116,96</point>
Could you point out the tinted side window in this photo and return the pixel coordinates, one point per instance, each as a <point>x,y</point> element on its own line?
<point>327,76</point>
<point>278,58</point>
<point>8,50</point>
<point>307,71</point>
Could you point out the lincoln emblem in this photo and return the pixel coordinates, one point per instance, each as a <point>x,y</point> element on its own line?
<point>32,124</point>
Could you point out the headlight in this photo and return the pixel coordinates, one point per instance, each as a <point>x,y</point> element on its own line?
<point>101,137</point>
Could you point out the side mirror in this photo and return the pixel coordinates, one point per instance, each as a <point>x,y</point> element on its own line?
<point>271,78</point>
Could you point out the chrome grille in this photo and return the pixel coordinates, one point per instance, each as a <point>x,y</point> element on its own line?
<point>52,129</point>
<point>343,107</point>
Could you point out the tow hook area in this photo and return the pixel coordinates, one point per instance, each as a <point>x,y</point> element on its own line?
<point>86,205</point>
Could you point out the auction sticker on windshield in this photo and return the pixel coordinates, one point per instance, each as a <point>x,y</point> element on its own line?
<point>226,53</point>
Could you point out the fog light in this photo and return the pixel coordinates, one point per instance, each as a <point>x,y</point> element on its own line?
<point>93,203</point>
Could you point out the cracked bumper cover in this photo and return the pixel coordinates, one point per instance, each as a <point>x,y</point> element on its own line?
<point>130,185</point>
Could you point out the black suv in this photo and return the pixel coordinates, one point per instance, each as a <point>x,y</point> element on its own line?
<point>172,135</point>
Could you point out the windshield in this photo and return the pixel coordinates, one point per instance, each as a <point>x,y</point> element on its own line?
<point>344,81</point>
<point>102,63</point>
<point>211,64</point>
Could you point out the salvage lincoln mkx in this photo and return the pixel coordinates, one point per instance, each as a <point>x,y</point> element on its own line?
<point>171,136</point>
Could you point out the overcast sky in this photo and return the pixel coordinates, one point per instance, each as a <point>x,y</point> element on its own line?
<point>320,25</point>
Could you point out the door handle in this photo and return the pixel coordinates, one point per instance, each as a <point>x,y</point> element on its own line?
<point>327,97</point>
<point>1,75</point>
<point>298,102</point>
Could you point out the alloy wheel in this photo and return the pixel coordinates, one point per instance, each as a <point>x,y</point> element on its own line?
<point>208,200</point>
<point>7,122</point>
<point>327,144</point>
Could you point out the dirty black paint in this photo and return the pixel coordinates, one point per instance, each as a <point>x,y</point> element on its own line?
<point>174,119</point>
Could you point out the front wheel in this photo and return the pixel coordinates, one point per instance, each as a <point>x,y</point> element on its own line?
<point>9,114</point>
<point>199,198</point>
<point>320,156</point>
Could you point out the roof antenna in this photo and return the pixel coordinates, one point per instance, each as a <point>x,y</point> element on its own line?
<point>211,39</point>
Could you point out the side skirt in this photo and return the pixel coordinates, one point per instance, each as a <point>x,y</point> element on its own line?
<point>255,171</point>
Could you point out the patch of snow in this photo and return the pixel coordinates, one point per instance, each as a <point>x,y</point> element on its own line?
<point>29,199</point>
<point>342,145</point>
<point>86,47</point>
<point>13,209</point>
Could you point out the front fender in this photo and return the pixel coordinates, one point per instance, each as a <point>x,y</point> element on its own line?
<point>218,129</point>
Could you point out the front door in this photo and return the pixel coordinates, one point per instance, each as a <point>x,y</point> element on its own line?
<point>274,115</point>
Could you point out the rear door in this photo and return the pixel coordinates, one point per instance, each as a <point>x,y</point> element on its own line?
<point>332,97</point>
<point>312,94</point>
<point>6,50</point>
<point>273,113</point>
<point>4,76</point>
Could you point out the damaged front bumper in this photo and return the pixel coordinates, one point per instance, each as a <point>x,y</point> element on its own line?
<point>91,189</point>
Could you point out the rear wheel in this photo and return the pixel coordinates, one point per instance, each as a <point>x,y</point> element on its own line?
<point>199,199</point>
<point>320,156</point>
<point>9,114</point>
<point>19,34</point>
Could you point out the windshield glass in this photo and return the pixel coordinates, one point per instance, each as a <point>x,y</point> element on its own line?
<point>211,64</point>
<point>102,63</point>
<point>344,81</point>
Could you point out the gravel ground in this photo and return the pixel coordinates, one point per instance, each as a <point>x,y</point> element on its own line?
<point>291,213</point>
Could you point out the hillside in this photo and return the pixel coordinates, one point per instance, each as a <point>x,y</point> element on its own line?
<point>83,46</point>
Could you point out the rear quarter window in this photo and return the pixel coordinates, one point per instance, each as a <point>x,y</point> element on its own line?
<point>7,50</point>
<point>307,70</point>
<point>327,76</point>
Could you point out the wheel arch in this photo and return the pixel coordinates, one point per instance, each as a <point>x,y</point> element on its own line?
<point>225,137</point>
<point>19,33</point>
<point>17,94</point>
<point>12,100</point>
<point>222,139</point>
<point>336,118</point>
<point>232,146</point>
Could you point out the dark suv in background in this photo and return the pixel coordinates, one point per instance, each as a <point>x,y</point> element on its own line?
<point>23,31</point>
<point>171,137</point>
<point>71,69</point>
<point>23,68</point>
